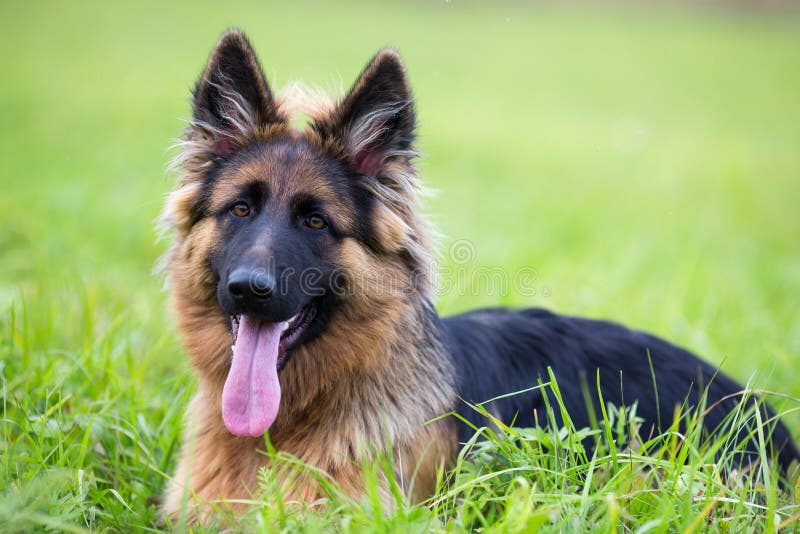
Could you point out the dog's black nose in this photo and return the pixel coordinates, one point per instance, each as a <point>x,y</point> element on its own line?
<point>250,286</point>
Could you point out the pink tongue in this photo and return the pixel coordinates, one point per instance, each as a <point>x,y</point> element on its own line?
<point>252,393</point>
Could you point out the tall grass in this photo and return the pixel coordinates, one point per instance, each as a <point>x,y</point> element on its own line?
<point>605,478</point>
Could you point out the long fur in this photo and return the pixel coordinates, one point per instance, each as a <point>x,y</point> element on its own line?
<point>381,364</point>
<point>385,363</point>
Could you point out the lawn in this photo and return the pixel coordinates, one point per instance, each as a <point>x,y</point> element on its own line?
<point>644,162</point>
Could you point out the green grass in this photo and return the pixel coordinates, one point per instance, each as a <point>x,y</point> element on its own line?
<point>644,162</point>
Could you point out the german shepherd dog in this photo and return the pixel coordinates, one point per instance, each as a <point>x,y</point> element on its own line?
<point>300,272</point>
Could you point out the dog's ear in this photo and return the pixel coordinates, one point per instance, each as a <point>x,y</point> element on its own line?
<point>375,121</point>
<point>232,95</point>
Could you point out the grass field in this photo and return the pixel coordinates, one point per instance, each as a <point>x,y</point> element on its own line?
<point>646,163</point>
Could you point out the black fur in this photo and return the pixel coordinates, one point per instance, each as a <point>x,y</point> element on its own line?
<point>498,352</point>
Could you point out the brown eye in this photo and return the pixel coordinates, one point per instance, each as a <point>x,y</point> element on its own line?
<point>316,221</point>
<point>241,209</point>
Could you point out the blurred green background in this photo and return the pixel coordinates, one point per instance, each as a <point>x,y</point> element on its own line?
<point>645,161</point>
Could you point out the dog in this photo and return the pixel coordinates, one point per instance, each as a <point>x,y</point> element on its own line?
<point>301,276</point>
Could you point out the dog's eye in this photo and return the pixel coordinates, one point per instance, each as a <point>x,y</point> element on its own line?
<point>240,209</point>
<point>316,221</point>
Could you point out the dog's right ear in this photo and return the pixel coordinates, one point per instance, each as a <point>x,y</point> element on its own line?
<point>232,97</point>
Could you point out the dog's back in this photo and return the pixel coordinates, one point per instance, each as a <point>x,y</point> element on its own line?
<point>497,352</point>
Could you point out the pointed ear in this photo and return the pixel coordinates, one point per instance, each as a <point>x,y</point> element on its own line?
<point>232,95</point>
<point>376,120</point>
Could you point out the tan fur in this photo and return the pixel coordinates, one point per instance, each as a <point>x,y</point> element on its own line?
<point>301,178</point>
<point>368,383</point>
<point>297,99</point>
<point>369,394</point>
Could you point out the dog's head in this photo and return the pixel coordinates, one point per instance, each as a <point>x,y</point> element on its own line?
<point>278,230</point>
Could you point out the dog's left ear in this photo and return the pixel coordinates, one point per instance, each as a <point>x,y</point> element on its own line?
<point>375,121</point>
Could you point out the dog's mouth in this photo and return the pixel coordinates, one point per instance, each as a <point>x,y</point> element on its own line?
<point>251,395</point>
<point>293,329</point>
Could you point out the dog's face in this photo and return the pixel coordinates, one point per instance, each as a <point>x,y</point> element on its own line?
<point>281,210</point>
<point>279,229</point>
